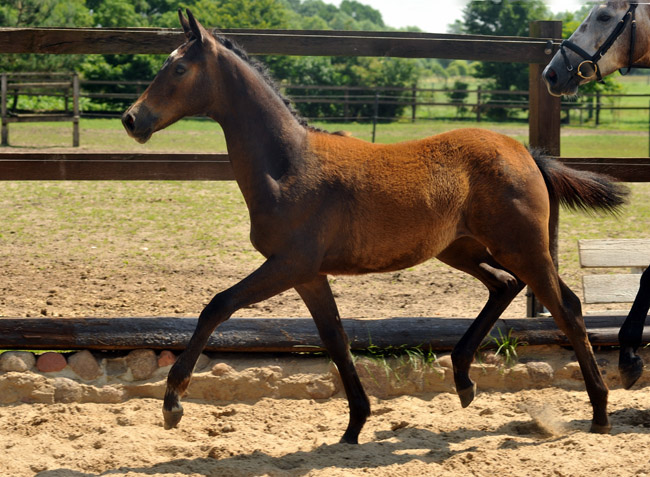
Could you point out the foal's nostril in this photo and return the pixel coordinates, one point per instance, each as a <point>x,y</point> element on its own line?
<point>550,75</point>
<point>128,120</point>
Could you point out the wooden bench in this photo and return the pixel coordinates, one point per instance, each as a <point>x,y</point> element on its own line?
<point>607,253</point>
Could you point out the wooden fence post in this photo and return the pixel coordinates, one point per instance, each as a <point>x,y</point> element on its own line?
<point>544,130</point>
<point>414,90</point>
<point>5,125</point>
<point>75,110</point>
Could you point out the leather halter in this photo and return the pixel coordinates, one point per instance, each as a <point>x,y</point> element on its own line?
<point>591,61</point>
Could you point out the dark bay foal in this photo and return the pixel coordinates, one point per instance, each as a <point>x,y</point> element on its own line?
<point>324,204</point>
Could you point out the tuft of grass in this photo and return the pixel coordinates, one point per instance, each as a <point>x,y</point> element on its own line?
<point>507,346</point>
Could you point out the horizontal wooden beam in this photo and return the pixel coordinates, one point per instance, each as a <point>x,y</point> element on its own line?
<point>201,166</point>
<point>114,166</point>
<point>277,334</point>
<point>39,118</point>
<point>625,169</point>
<point>603,253</point>
<point>281,42</point>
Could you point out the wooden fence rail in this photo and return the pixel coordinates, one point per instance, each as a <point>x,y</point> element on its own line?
<point>15,166</point>
<point>282,42</point>
<point>544,132</point>
<point>280,334</point>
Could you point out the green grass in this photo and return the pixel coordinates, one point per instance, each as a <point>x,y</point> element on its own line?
<point>194,211</point>
<point>506,346</point>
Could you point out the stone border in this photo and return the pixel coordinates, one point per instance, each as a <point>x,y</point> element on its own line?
<point>91,377</point>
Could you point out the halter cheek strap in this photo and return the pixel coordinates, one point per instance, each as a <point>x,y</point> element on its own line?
<point>592,60</point>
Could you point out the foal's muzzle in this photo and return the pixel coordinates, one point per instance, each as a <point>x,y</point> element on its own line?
<point>139,122</point>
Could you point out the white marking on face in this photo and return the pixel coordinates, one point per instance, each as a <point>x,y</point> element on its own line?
<point>173,55</point>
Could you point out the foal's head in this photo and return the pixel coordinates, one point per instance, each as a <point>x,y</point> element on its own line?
<point>182,87</point>
<point>602,44</point>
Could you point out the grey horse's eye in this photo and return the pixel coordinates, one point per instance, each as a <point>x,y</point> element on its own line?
<point>604,17</point>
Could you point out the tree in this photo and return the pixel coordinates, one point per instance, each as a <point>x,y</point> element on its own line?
<point>504,18</point>
<point>458,95</point>
<point>42,13</point>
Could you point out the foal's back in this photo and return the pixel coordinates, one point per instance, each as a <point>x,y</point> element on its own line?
<point>401,204</point>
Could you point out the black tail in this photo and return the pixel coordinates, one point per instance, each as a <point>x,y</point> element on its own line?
<point>580,190</point>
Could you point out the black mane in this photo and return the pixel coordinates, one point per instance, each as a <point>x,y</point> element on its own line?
<point>264,73</point>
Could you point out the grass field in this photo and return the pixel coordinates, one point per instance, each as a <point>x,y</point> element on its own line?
<point>134,220</point>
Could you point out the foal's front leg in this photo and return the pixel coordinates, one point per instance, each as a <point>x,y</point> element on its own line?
<point>630,364</point>
<point>318,297</point>
<point>273,277</point>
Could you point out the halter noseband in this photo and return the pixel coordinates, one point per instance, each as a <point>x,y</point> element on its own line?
<point>591,61</point>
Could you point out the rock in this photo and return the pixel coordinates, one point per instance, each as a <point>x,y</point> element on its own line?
<point>445,361</point>
<point>85,365</point>
<point>19,361</point>
<point>166,358</point>
<point>115,366</point>
<point>143,363</point>
<point>51,362</point>
<point>66,390</point>
<point>222,369</point>
<point>540,372</point>
<point>201,363</point>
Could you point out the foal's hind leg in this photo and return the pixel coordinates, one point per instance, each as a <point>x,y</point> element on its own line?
<point>317,295</point>
<point>536,268</point>
<point>630,364</point>
<point>471,257</point>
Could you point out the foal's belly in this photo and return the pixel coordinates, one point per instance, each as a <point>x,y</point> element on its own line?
<point>385,252</point>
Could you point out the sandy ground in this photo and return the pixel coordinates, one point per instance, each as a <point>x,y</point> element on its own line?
<point>138,272</point>
<point>528,433</point>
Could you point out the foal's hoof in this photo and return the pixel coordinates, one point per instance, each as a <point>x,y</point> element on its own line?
<point>349,439</point>
<point>630,371</point>
<point>172,417</point>
<point>467,395</point>
<point>600,429</point>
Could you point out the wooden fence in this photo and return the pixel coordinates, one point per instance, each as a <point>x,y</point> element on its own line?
<point>66,85</point>
<point>544,123</point>
<point>476,101</point>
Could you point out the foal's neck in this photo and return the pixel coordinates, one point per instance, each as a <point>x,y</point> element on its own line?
<point>264,138</point>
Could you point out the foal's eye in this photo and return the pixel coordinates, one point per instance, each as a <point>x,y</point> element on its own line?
<point>180,69</point>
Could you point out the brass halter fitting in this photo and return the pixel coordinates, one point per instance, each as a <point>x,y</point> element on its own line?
<point>590,69</point>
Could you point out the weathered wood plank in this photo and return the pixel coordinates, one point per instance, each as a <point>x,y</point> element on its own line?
<point>276,334</point>
<point>320,43</point>
<point>614,252</point>
<point>161,166</point>
<point>39,118</point>
<point>621,288</point>
<point>632,169</point>
<point>114,166</point>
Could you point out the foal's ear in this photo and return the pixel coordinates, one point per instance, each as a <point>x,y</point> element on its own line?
<point>196,28</point>
<point>184,24</point>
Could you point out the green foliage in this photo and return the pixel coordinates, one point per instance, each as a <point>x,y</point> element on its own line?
<point>507,346</point>
<point>43,13</point>
<point>508,18</point>
<point>257,14</point>
<point>415,356</point>
<point>458,95</point>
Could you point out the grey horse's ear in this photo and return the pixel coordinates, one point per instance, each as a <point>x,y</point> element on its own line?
<point>184,24</point>
<point>196,28</point>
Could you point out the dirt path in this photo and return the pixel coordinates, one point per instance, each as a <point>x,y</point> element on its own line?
<point>536,433</point>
